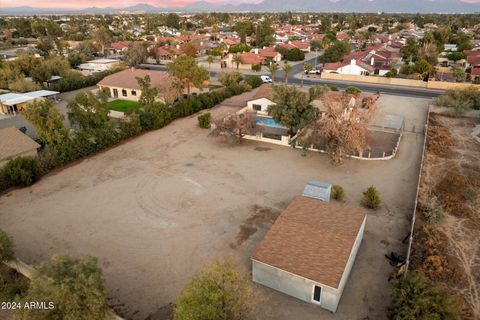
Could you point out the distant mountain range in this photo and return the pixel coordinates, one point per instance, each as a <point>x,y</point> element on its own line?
<point>401,6</point>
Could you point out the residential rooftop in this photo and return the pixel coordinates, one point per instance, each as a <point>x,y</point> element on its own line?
<point>312,239</point>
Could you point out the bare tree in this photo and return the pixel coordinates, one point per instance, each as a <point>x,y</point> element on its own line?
<point>235,126</point>
<point>342,129</point>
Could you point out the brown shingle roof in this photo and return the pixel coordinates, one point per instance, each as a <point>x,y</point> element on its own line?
<point>13,143</point>
<point>312,239</point>
<point>264,91</point>
<point>128,79</point>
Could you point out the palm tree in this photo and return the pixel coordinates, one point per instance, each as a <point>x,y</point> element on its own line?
<point>307,68</point>
<point>209,61</point>
<point>273,67</point>
<point>286,68</point>
<point>237,60</point>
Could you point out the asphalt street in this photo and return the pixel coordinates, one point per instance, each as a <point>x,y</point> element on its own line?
<point>367,87</point>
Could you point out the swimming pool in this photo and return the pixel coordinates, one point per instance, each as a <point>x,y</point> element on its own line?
<point>267,121</point>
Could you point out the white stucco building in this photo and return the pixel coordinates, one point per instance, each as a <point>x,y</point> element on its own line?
<point>99,65</point>
<point>310,250</point>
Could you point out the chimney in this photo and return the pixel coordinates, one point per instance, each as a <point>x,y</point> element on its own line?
<point>256,50</point>
<point>177,46</point>
<point>372,61</point>
<point>353,62</point>
<point>132,69</point>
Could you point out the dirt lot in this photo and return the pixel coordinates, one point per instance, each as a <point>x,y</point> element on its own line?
<point>448,252</point>
<point>156,209</point>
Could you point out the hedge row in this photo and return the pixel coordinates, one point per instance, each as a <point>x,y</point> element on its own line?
<point>23,172</point>
<point>75,80</point>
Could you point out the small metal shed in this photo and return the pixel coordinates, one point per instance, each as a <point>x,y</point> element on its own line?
<point>318,190</point>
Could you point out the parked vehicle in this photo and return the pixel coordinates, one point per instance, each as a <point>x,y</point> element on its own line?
<point>266,79</point>
<point>314,71</point>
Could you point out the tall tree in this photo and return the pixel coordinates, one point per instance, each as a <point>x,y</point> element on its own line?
<point>102,38</point>
<point>287,68</point>
<point>186,70</point>
<point>219,292</point>
<point>410,50</point>
<point>342,129</point>
<point>76,288</point>
<point>89,111</point>
<point>136,54</point>
<point>237,60</point>
<point>292,108</point>
<point>273,68</point>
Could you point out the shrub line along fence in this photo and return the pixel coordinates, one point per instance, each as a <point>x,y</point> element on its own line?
<point>434,85</point>
<point>412,228</point>
<point>26,270</point>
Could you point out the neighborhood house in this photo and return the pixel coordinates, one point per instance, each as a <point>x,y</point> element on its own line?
<point>269,130</point>
<point>14,143</point>
<point>124,84</point>
<point>11,103</point>
<point>310,250</point>
<point>99,65</point>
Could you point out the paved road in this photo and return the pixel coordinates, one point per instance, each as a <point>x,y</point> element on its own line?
<point>368,87</point>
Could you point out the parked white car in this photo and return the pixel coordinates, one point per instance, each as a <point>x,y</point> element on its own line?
<point>266,79</point>
<point>314,71</point>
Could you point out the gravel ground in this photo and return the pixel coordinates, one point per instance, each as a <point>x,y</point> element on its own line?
<point>157,208</point>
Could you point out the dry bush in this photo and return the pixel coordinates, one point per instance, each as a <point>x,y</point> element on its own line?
<point>448,191</point>
<point>439,138</point>
<point>427,255</point>
<point>342,129</point>
<point>234,127</point>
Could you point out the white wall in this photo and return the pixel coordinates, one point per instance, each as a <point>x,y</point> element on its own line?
<point>263,102</point>
<point>302,288</point>
<point>351,261</point>
<point>294,285</point>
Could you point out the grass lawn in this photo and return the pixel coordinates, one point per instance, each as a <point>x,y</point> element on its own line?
<point>123,105</point>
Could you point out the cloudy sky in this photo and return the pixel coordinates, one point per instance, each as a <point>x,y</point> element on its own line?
<point>116,3</point>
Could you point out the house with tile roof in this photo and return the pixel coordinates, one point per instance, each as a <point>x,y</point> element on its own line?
<point>124,84</point>
<point>310,250</point>
<point>249,59</point>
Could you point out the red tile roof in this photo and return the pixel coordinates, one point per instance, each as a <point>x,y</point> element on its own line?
<point>251,58</point>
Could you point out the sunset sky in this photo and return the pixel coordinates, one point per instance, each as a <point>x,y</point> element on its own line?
<point>76,4</point>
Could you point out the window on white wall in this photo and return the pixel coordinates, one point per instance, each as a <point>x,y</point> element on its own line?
<point>317,293</point>
<point>257,107</point>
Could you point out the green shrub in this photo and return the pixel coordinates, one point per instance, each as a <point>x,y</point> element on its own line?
<point>76,287</point>
<point>338,193</point>
<point>7,252</point>
<point>371,198</point>
<point>256,67</point>
<point>204,120</point>
<point>460,100</point>
<point>254,81</point>
<point>353,90</point>
<point>415,298</point>
<point>21,171</point>
<point>432,210</point>
<point>295,54</point>
<point>333,88</point>
<point>14,285</point>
